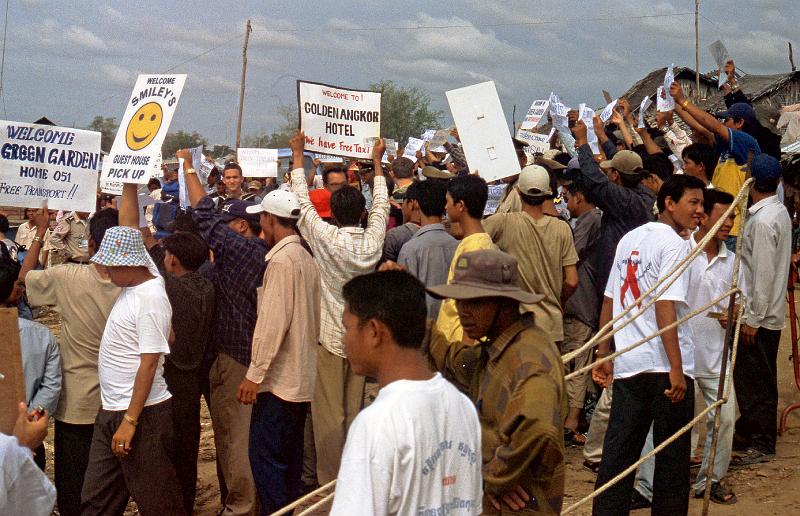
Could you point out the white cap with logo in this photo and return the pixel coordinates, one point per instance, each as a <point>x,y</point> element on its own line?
<point>279,203</point>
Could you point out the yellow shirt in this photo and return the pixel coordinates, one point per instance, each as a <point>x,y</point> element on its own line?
<point>448,322</point>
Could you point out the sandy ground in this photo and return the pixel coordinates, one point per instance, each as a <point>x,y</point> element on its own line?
<point>767,489</point>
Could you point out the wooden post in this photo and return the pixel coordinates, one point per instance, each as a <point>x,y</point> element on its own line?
<point>791,57</point>
<point>12,379</point>
<point>697,49</point>
<point>241,86</point>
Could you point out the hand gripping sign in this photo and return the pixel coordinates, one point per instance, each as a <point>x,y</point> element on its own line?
<point>143,128</point>
<point>338,121</point>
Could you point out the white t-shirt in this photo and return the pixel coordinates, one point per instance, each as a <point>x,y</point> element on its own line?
<point>709,281</point>
<point>643,256</point>
<point>138,323</point>
<point>415,450</point>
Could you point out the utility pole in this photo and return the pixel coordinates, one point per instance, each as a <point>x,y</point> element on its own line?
<point>241,87</point>
<point>697,49</point>
<point>791,57</point>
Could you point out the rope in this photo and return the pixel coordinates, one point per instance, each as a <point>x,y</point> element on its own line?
<point>317,505</point>
<point>645,340</point>
<point>305,498</point>
<point>679,268</point>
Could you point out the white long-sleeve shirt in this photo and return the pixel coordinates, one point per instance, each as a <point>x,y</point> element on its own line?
<point>24,488</point>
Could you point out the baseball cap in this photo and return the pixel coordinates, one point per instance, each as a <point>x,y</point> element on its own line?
<point>485,273</point>
<point>237,209</point>
<point>280,203</point>
<point>739,111</point>
<point>765,168</point>
<point>625,162</point>
<point>534,180</point>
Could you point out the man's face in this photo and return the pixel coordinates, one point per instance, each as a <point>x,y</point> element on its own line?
<point>612,175</point>
<point>358,341</point>
<point>233,180</point>
<point>694,169</point>
<point>653,183</point>
<point>453,211</point>
<point>572,201</point>
<point>367,176</point>
<point>709,219</point>
<point>221,188</point>
<point>267,228</point>
<point>734,124</point>
<point>240,226</point>
<point>477,315</point>
<point>688,211</point>
<point>169,262</point>
<point>118,275</point>
<point>336,180</point>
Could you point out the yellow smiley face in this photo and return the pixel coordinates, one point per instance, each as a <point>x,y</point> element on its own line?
<point>144,126</point>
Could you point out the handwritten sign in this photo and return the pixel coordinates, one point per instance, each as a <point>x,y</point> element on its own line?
<point>338,120</point>
<point>47,163</point>
<point>327,158</point>
<point>484,133</point>
<point>605,115</point>
<point>537,143</point>
<point>258,162</point>
<point>143,128</point>
<point>411,148</point>
<point>534,115</point>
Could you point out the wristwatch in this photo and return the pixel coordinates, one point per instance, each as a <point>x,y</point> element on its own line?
<point>189,170</point>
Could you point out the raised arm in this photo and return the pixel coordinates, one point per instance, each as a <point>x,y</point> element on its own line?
<point>193,187</point>
<point>704,119</point>
<point>42,220</point>
<point>129,206</point>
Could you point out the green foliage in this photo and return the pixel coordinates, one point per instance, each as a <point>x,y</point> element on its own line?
<point>181,140</point>
<point>107,127</point>
<point>405,111</point>
<point>277,139</point>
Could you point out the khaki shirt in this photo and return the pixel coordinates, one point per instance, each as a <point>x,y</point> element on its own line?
<point>284,353</point>
<point>84,300</point>
<point>517,384</point>
<point>70,238</point>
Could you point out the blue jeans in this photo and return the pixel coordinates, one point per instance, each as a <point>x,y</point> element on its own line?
<point>276,450</point>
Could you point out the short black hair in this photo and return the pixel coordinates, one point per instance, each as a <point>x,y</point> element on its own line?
<point>4,225</point>
<point>712,196</point>
<point>232,166</point>
<point>154,182</point>
<point>334,170</point>
<point>579,186</point>
<point>8,274</point>
<point>100,222</point>
<point>674,188</point>
<point>347,205</point>
<point>472,190</point>
<point>658,164</point>
<point>432,198</point>
<point>255,226</point>
<point>412,191</point>
<point>402,168</point>
<point>395,298</point>
<point>189,248</point>
<point>704,154</point>
<point>533,200</point>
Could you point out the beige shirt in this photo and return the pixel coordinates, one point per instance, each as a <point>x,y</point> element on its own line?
<point>70,238</point>
<point>284,354</point>
<point>84,300</point>
<point>25,235</point>
<point>542,248</point>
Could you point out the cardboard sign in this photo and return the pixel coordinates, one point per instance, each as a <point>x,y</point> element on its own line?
<point>143,128</point>
<point>327,158</point>
<point>156,171</point>
<point>12,378</point>
<point>537,143</point>
<point>111,187</point>
<point>337,120</point>
<point>46,163</point>
<point>483,130</point>
<point>534,115</point>
<point>258,162</point>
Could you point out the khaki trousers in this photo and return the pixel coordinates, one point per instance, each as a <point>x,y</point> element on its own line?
<point>231,421</point>
<point>593,449</point>
<point>576,334</point>
<point>338,397</point>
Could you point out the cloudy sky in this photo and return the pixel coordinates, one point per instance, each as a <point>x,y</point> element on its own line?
<point>72,60</point>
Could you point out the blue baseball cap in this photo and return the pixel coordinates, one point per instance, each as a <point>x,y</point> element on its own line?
<point>237,209</point>
<point>739,111</point>
<point>765,168</point>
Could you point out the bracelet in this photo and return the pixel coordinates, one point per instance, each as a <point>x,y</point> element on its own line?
<point>130,420</point>
<point>188,171</point>
<point>685,103</point>
<point>37,238</point>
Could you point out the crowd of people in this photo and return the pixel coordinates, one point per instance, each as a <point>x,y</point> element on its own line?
<point>282,305</point>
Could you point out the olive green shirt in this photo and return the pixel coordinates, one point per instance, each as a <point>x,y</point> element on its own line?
<point>517,384</point>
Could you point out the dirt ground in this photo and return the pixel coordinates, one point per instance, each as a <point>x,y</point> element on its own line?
<point>767,489</point>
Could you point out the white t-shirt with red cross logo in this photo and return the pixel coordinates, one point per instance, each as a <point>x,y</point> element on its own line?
<point>643,256</point>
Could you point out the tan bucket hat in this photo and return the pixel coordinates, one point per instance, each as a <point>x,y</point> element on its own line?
<point>485,273</point>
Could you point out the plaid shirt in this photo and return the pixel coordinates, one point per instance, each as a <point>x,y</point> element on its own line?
<point>236,274</point>
<point>517,384</point>
<point>340,253</point>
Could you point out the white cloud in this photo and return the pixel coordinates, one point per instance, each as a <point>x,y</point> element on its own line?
<point>612,58</point>
<point>117,75</point>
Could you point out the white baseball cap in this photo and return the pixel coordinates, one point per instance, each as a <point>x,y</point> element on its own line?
<point>280,203</point>
<point>535,181</point>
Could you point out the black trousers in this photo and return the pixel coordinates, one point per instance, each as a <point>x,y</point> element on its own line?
<point>70,459</point>
<point>639,401</point>
<point>756,382</point>
<point>185,387</point>
<point>146,474</point>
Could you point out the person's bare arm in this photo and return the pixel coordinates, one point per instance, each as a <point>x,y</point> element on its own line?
<point>703,134</point>
<point>41,219</point>
<point>193,187</point>
<point>378,148</point>
<point>704,119</point>
<point>129,206</point>
<point>649,145</point>
<point>141,390</point>
<point>603,373</point>
<point>665,315</point>
<point>570,284</point>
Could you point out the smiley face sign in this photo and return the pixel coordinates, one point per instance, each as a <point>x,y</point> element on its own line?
<point>144,126</point>
<point>142,129</point>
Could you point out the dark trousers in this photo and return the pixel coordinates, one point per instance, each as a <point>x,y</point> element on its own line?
<point>70,459</point>
<point>146,474</point>
<point>40,457</point>
<point>756,382</point>
<point>276,450</point>
<point>185,388</point>
<point>639,401</point>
